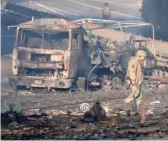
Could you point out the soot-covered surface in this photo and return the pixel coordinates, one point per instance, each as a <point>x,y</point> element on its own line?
<point>43,126</point>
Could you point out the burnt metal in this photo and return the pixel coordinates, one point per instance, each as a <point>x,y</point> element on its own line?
<point>58,44</point>
<point>47,53</point>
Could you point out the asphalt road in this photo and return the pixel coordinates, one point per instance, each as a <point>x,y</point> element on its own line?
<point>75,9</point>
<point>123,9</point>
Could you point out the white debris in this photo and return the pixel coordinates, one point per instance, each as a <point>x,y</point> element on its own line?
<point>155,102</point>
<point>105,106</point>
<point>32,111</point>
<point>77,113</point>
<point>113,114</point>
<point>26,93</point>
<point>94,83</point>
<point>49,117</point>
<point>55,112</point>
<point>148,112</point>
<point>84,107</point>
<point>122,112</point>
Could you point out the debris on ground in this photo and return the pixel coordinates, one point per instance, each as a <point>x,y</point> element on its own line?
<point>148,112</point>
<point>155,102</point>
<point>161,85</point>
<point>43,126</point>
<point>96,113</point>
<point>84,107</point>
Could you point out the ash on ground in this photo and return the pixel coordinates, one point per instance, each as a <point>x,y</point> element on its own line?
<point>68,126</point>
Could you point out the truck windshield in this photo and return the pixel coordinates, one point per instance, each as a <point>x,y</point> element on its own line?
<point>45,40</point>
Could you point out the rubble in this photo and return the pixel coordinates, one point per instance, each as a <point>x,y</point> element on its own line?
<point>96,113</point>
<point>161,85</point>
<point>26,93</point>
<point>155,102</point>
<point>44,126</point>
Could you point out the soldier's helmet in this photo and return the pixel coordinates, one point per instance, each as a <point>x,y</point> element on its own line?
<point>141,53</point>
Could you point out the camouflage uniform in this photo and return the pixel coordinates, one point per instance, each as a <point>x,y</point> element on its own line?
<point>106,12</point>
<point>134,76</point>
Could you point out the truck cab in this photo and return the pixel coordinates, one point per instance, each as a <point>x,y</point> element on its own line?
<point>47,54</point>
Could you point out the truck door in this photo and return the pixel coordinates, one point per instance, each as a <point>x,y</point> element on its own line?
<point>75,53</point>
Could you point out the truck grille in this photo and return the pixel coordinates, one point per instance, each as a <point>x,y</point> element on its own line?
<point>39,72</point>
<point>40,57</point>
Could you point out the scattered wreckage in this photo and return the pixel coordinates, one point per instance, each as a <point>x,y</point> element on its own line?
<point>56,53</point>
<point>63,126</point>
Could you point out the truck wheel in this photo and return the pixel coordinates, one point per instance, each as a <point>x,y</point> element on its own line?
<point>81,84</point>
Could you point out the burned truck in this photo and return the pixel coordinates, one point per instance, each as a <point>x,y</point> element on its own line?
<point>114,48</point>
<point>48,53</point>
<point>56,53</point>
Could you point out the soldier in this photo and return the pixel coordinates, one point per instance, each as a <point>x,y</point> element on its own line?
<point>134,76</point>
<point>106,12</point>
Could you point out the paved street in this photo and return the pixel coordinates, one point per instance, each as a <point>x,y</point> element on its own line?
<point>123,9</point>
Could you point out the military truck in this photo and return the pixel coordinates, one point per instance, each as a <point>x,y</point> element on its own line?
<point>157,59</point>
<point>48,53</point>
<point>114,47</point>
<point>56,53</point>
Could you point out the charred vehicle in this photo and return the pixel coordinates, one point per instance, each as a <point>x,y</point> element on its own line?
<point>123,41</point>
<point>47,54</point>
<point>55,53</point>
<point>113,50</point>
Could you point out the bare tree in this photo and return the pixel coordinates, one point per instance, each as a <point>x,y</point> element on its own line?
<point>155,11</point>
